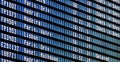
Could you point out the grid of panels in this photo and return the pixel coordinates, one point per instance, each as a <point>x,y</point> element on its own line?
<point>59,31</point>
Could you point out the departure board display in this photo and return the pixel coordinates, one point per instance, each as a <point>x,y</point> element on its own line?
<point>59,31</point>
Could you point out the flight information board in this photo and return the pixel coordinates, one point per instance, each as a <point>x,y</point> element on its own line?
<point>59,31</point>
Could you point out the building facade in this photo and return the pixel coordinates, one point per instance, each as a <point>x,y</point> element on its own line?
<point>59,31</point>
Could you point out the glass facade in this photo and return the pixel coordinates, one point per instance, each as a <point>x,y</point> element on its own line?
<point>59,31</point>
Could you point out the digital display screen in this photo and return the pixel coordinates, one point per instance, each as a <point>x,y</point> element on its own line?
<point>59,31</point>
